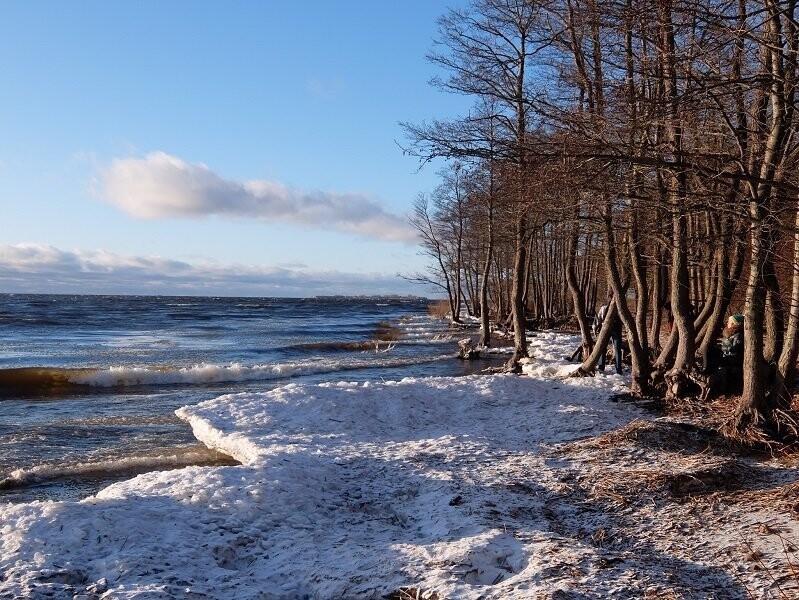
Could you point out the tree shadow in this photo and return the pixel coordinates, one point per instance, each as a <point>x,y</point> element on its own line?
<point>309,525</point>
<point>447,497</point>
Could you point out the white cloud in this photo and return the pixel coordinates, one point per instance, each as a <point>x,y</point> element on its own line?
<point>39,268</point>
<point>162,186</point>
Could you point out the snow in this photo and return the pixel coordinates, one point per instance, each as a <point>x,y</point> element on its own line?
<point>476,487</point>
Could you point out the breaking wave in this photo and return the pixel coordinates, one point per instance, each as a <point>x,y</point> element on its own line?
<point>174,458</point>
<point>61,381</point>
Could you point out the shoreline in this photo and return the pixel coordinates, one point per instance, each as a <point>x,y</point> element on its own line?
<point>494,486</point>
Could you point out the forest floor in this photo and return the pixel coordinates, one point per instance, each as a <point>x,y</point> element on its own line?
<point>668,491</point>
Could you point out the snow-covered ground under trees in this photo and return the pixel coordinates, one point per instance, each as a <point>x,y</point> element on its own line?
<point>477,487</point>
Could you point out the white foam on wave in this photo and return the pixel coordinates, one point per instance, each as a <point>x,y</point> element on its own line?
<point>206,373</point>
<point>173,458</point>
<point>425,330</point>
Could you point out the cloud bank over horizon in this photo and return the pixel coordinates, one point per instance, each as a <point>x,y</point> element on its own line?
<point>41,268</point>
<point>163,186</point>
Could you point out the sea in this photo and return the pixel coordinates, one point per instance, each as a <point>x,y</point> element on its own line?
<point>89,384</point>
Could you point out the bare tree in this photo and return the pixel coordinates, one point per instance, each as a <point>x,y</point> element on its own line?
<point>432,233</point>
<point>487,50</point>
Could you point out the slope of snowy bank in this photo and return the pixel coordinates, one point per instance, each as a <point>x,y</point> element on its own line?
<point>474,487</point>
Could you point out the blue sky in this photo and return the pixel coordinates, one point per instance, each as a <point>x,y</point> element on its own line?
<point>213,147</point>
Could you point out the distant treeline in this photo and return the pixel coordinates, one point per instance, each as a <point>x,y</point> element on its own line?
<point>646,148</point>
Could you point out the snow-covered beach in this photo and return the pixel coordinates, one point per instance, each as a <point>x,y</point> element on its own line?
<point>473,487</point>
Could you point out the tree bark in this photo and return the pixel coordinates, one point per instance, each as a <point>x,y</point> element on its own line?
<point>786,365</point>
<point>517,295</point>
<point>485,316</point>
<point>577,294</point>
<point>639,376</point>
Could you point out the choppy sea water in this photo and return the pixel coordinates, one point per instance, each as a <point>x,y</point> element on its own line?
<point>89,384</point>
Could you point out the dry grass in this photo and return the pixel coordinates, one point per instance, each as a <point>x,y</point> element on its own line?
<point>660,435</point>
<point>723,478</point>
<point>386,332</point>
<point>411,593</point>
<point>783,583</point>
<point>785,498</point>
<point>439,309</point>
<point>683,466</point>
<point>698,461</point>
<point>778,437</point>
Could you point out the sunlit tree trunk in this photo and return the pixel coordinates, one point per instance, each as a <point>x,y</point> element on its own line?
<point>786,365</point>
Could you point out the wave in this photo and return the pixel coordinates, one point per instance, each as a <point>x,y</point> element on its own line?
<point>173,458</point>
<point>385,335</point>
<point>27,321</point>
<point>35,381</point>
<point>51,381</point>
<point>376,346</point>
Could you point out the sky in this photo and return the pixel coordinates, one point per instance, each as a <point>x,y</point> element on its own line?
<point>214,148</point>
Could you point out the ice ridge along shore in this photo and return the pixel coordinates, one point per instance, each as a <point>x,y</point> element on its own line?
<point>473,487</point>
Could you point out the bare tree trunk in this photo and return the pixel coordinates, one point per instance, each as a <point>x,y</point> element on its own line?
<point>775,316</point>
<point>755,408</point>
<point>639,376</point>
<point>528,273</point>
<point>720,302</point>
<point>786,365</point>
<point>603,337</point>
<point>638,265</point>
<point>517,295</point>
<point>683,322</point>
<point>578,297</point>
<point>485,316</point>
<point>676,195</point>
<point>657,302</point>
<point>710,286</point>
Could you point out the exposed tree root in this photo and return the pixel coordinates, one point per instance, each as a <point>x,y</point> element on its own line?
<point>512,366</point>
<point>778,434</point>
<point>676,383</point>
<point>786,420</point>
<point>580,372</point>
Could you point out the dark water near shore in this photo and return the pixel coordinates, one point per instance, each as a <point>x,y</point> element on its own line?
<point>89,384</point>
